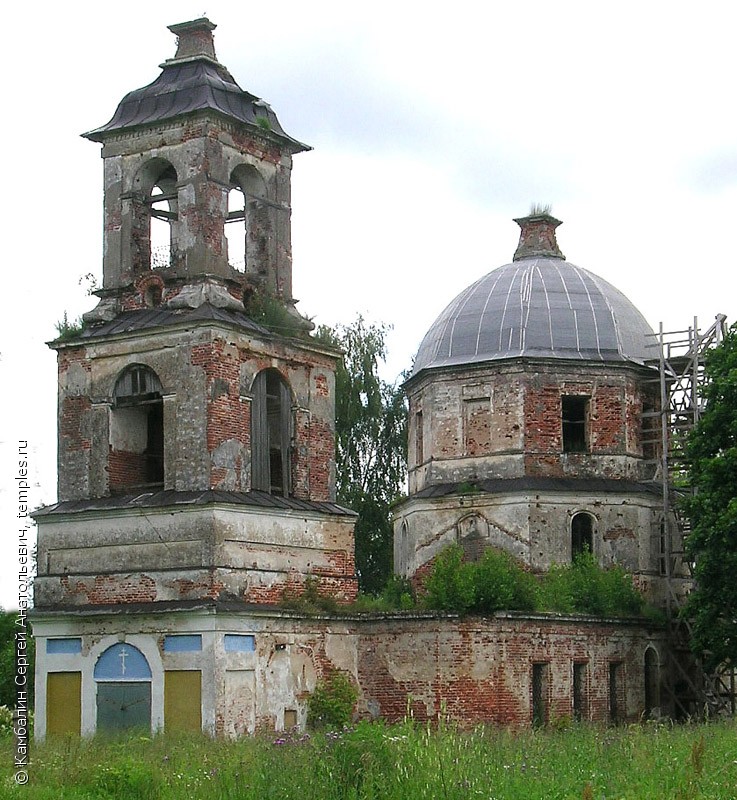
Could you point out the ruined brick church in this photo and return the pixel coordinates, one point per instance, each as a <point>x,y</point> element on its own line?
<point>197,473</point>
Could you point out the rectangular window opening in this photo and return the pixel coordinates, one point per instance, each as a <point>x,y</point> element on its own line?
<point>539,695</point>
<point>477,426</point>
<point>616,693</point>
<point>579,692</point>
<point>575,424</point>
<point>66,646</point>
<point>419,439</point>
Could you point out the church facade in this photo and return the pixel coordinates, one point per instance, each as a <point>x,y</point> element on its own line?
<point>531,423</point>
<point>197,466</point>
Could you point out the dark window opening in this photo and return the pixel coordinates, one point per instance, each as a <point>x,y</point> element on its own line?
<point>663,549</point>
<point>650,429</point>
<point>652,684</point>
<point>539,694</point>
<point>271,416</point>
<point>582,534</point>
<point>616,693</point>
<point>575,413</point>
<point>153,295</point>
<point>136,431</point>
<point>419,439</point>
<point>579,692</point>
<point>155,443</point>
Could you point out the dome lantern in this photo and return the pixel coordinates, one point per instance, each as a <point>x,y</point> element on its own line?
<point>537,237</point>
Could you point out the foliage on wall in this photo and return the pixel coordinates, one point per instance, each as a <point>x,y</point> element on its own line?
<point>497,582</point>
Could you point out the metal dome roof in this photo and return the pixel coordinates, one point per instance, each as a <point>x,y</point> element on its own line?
<point>539,306</point>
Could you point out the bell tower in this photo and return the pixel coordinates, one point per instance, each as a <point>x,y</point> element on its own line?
<point>196,417</point>
<point>197,189</point>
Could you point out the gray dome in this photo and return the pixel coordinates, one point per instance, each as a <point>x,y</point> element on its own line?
<point>537,307</point>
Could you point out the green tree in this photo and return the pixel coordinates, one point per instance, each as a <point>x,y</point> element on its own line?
<point>712,509</point>
<point>8,631</point>
<point>371,443</point>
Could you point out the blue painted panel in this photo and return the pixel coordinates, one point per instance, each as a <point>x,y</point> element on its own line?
<point>70,646</point>
<point>239,643</point>
<point>183,643</point>
<point>122,662</point>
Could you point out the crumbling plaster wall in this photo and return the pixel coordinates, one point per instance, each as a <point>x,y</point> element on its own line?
<point>534,528</point>
<point>204,152</point>
<point>191,553</point>
<point>503,420</point>
<point>471,671</point>
<point>480,670</point>
<point>206,376</point>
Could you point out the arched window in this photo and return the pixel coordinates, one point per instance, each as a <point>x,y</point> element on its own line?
<point>248,225</point>
<point>271,433</point>
<point>137,431</point>
<point>582,534</point>
<point>155,228</point>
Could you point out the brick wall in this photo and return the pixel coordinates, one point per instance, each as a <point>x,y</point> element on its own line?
<point>480,670</point>
<point>505,421</point>
<point>227,415</point>
<point>72,417</point>
<point>126,470</point>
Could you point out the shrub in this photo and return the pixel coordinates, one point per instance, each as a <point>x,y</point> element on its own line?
<point>68,329</point>
<point>501,583</point>
<point>331,704</point>
<point>309,600</point>
<point>451,585</point>
<point>585,588</point>
<point>269,311</point>
<point>497,582</point>
<point>397,595</point>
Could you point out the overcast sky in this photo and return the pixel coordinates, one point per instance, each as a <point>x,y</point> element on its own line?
<point>433,126</point>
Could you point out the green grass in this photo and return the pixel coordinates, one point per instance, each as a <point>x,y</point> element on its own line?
<point>401,762</point>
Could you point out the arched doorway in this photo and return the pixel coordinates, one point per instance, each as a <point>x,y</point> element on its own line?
<point>123,681</point>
